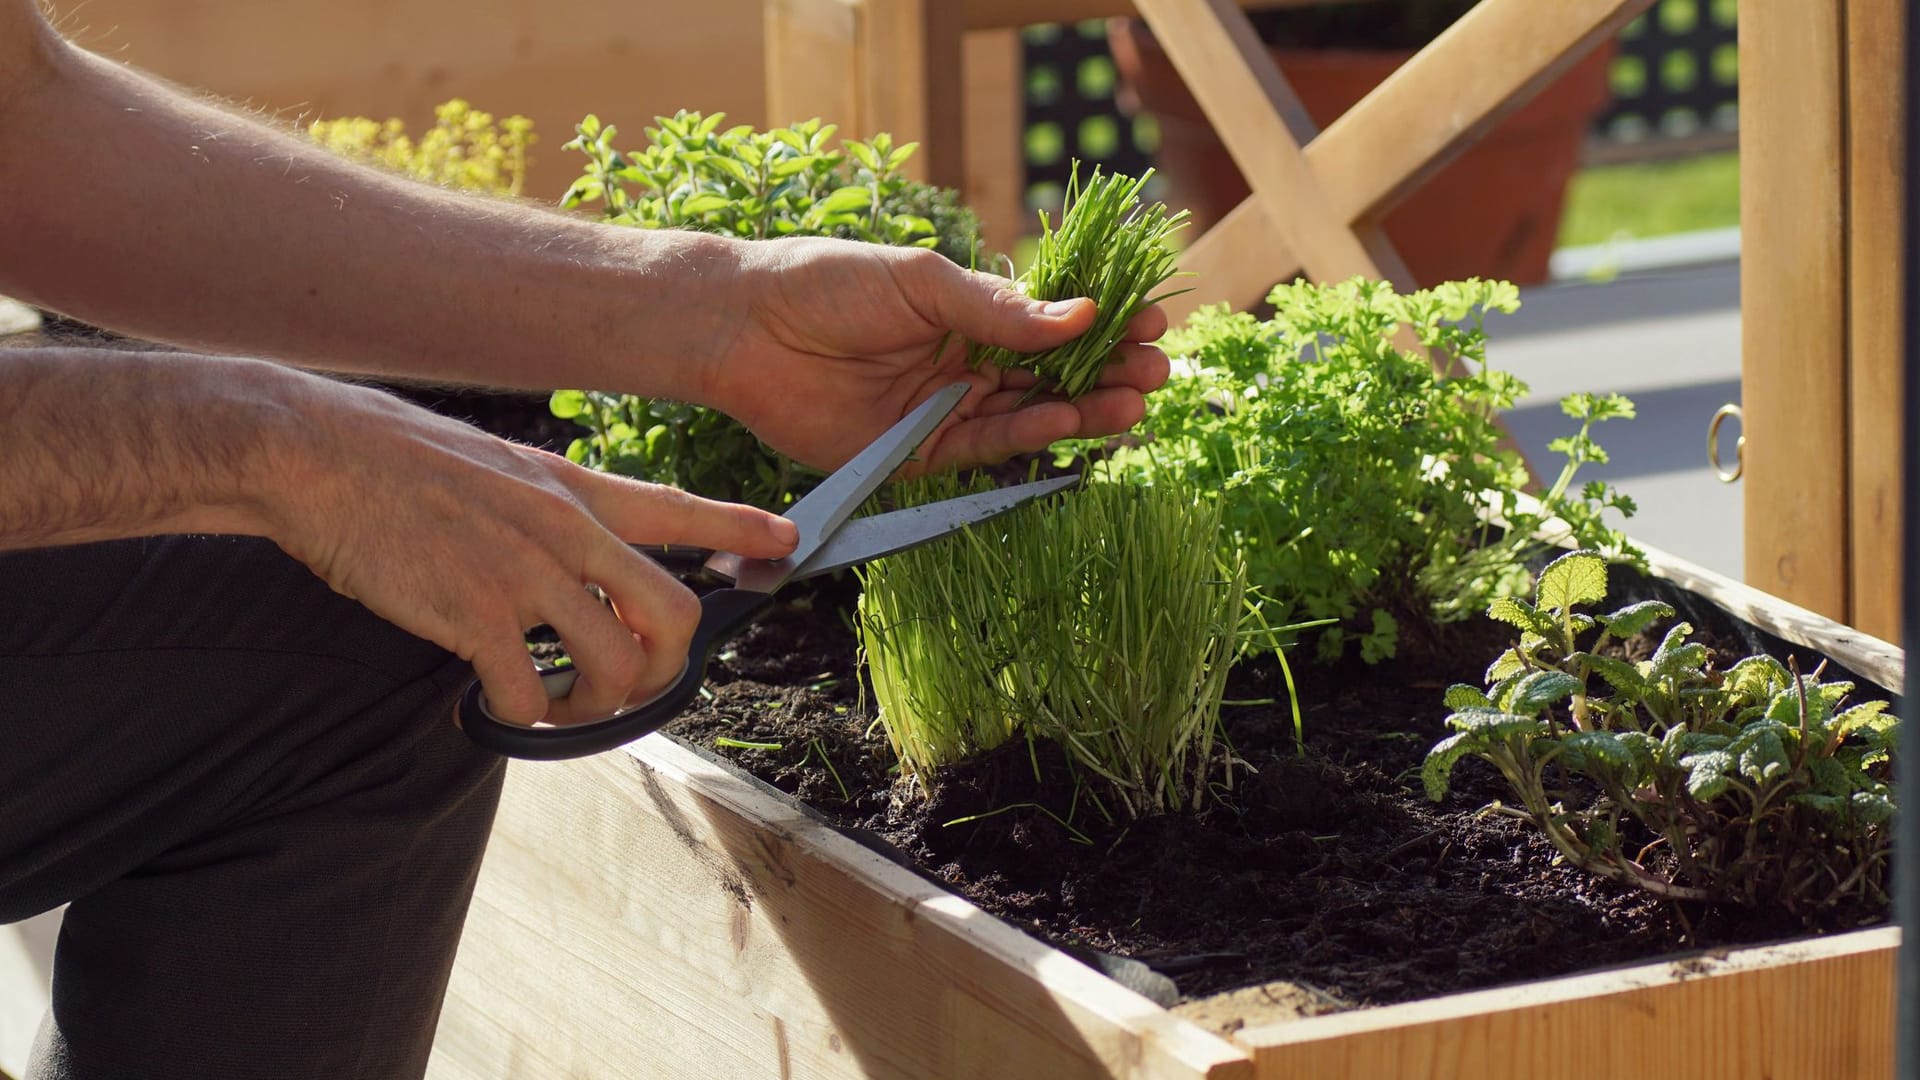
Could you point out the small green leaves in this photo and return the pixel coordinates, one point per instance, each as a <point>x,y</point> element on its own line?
<point>845,199</point>
<point>1520,615</point>
<point>1598,750</point>
<point>567,404</point>
<point>1761,788</point>
<point>1489,723</point>
<point>1579,577</point>
<point>1506,665</point>
<point>1677,657</point>
<point>1707,775</point>
<point>1437,771</point>
<point>1635,619</point>
<point>1535,692</point>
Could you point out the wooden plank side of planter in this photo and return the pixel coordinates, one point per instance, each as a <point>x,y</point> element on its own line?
<point>650,913</point>
<point>1809,1009</point>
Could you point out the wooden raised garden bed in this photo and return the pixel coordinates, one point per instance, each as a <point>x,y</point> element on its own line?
<point>651,912</point>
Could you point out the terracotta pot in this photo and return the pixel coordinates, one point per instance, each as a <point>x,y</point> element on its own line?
<point>1493,212</point>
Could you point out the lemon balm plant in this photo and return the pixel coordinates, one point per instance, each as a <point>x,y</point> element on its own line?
<point>1104,620</point>
<point>1751,783</point>
<point>694,173</point>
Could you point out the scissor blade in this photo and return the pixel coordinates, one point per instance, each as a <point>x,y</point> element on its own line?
<point>868,538</point>
<point>826,507</point>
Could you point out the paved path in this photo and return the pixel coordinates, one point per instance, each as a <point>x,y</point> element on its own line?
<point>1668,339</point>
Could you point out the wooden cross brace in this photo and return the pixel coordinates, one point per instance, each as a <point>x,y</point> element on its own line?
<point>1318,196</point>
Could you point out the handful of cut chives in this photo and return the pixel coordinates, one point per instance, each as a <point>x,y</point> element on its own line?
<point>1108,247</point>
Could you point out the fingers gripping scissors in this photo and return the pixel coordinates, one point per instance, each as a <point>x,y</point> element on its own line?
<point>830,539</point>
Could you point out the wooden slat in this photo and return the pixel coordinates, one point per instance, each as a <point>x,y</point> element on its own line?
<point>1876,177</point>
<point>1793,300</point>
<point>552,61</point>
<point>649,913</point>
<point>995,111</point>
<point>1237,84</point>
<point>1463,83</point>
<point>1005,14</point>
<point>910,76</point>
<point>812,51</point>
<point>1811,1010</point>
<point>1865,654</point>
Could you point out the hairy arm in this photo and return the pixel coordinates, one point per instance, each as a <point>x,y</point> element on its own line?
<point>96,445</point>
<point>135,206</point>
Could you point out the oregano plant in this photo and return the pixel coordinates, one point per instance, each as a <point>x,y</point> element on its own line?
<point>466,148</point>
<point>1755,784</point>
<point>695,173</point>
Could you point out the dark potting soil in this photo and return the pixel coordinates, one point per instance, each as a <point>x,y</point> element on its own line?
<point>1329,868</point>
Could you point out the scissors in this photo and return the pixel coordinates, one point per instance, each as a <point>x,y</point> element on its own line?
<point>829,541</point>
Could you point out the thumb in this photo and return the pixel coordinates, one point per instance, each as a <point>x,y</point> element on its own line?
<point>988,309</point>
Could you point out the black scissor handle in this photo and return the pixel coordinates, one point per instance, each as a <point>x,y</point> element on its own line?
<point>723,613</point>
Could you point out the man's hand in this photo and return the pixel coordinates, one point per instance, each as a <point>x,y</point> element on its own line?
<point>838,339</point>
<point>469,541</point>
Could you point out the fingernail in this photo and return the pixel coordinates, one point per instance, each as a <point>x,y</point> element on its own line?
<point>1059,308</point>
<point>786,532</point>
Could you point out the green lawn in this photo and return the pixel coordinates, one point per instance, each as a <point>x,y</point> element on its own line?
<point>1653,199</point>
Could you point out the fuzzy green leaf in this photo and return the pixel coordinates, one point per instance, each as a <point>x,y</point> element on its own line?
<point>1872,807</point>
<point>1868,714</point>
<point>1462,696</point>
<point>1437,770</point>
<point>1764,757</point>
<point>1785,708</point>
<point>1541,689</point>
<point>1635,619</point>
<point>1505,665</point>
<point>1707,777</point>
<point>1519,614</point>
<point>1579,577</point>
<point>1493,724</point>
<point>1677,657</point>
<point>1598,747</point>
<point>1757,678</point>
<point>1625,678</point>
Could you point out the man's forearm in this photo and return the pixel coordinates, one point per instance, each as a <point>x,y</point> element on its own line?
<point>98,445</point>
<point>129,204</point>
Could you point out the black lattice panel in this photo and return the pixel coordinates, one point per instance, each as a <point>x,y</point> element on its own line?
<point>1677,75</point>
<point>1676,78</point>
<point>1071,113</point>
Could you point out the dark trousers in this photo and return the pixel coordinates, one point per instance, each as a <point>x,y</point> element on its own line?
<point>251,793</point>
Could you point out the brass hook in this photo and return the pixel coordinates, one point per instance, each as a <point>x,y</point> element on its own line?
<point>1739,445</point>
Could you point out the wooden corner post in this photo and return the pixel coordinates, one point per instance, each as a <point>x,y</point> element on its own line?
<point>1822,172</point>
<point>871,66</point>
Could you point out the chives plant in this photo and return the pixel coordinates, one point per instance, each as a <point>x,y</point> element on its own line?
<point>1104,620</point>
<point>1108,247</point>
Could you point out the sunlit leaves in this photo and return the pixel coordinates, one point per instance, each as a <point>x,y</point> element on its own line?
<point>1763,787</point>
